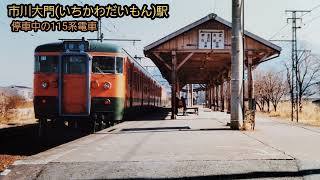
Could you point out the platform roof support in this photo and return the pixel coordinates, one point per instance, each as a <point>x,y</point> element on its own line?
<point>217,96</point>
<point>212,103</point>
<point>228,91</point>
<point>174,85</point>
<point>222,94</point>
<point>215,107</point>
<point>250,85</point>
<point>208,102</point>
<point>190,92</point>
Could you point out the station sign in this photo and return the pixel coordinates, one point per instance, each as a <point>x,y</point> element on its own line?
<point>211,39</point>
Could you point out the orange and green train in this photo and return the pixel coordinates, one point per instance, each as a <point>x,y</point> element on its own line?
<point>90,83</point>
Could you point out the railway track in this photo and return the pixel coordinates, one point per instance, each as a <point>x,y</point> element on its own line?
<point>23,141</point>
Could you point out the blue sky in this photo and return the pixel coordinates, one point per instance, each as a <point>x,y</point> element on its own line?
<point>262,17</point>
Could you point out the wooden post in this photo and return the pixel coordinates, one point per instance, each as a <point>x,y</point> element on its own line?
<point>208,96</point>
<point>250,85</point>
<point>191,95</point>
<point>228,94</point>
<point>214,96</point>
<point>217,97</point>
<point>222,95</point>
<point>173,85</point>
<point>249,121</point>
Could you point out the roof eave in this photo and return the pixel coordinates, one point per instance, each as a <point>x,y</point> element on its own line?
<point>180,31</point>
<point>203,20</point>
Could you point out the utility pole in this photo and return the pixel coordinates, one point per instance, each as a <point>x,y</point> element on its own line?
<point>295,61</point>
<point>237,66</point>
<point>99,32</point>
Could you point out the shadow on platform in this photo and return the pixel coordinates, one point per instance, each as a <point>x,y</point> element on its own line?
<point>161,129</point>
<point>151,115</point>
<point>253,175</point>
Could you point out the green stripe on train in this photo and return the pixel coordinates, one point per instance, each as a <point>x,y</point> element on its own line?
<point>116,107</point>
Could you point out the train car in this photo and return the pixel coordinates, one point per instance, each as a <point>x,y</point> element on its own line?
<point>90,84</point>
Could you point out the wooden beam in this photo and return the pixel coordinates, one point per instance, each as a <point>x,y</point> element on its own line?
<point>216,51</point>
<point>162,60</point>
<point>185,60</point>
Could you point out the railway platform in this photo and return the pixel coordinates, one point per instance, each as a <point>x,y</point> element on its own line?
<point>197,146</point>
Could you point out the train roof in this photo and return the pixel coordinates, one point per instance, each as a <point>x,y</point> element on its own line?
<point>93,47</point>
<point>139,66</point>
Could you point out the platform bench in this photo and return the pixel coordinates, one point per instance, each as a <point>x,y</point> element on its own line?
<point>196,109</point>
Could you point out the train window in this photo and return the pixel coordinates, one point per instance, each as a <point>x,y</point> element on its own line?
<point>74,65</point>
<point>46,64</point>
<point>103,64</point>
<point>119,64</point>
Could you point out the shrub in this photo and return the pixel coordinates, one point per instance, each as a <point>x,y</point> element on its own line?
<point>7,103</point>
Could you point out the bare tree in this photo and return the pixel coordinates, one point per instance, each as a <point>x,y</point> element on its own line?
<point>259,91</point>
<point>278,89</point>
<point>308,75</point>
<point>269,89</point>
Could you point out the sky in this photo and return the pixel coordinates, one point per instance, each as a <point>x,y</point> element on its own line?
<point>265,18</point>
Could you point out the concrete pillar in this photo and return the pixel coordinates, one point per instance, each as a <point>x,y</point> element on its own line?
<point>173,85</point>
<point>236,120</point>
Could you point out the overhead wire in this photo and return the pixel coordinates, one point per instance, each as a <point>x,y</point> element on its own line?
<point>283,27</point>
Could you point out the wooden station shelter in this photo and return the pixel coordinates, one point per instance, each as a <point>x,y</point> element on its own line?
<point>200,53</point>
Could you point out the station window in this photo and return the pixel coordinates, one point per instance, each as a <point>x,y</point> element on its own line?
<point>46,64</point>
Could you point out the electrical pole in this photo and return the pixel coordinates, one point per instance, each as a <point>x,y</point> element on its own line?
<point>99,32</point>
<point>237,66</point>
<point>295,61</point>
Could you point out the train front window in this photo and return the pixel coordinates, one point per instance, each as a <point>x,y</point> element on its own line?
<point>119,64</point>
<point>107,64</point>
<point>74,64</point>
<point>103,64</point>
<point>46,64</point>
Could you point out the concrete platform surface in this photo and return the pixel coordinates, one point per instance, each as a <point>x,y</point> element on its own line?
<point>192,146</point>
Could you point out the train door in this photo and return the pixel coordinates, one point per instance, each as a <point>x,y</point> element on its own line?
<point>74,86</point>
